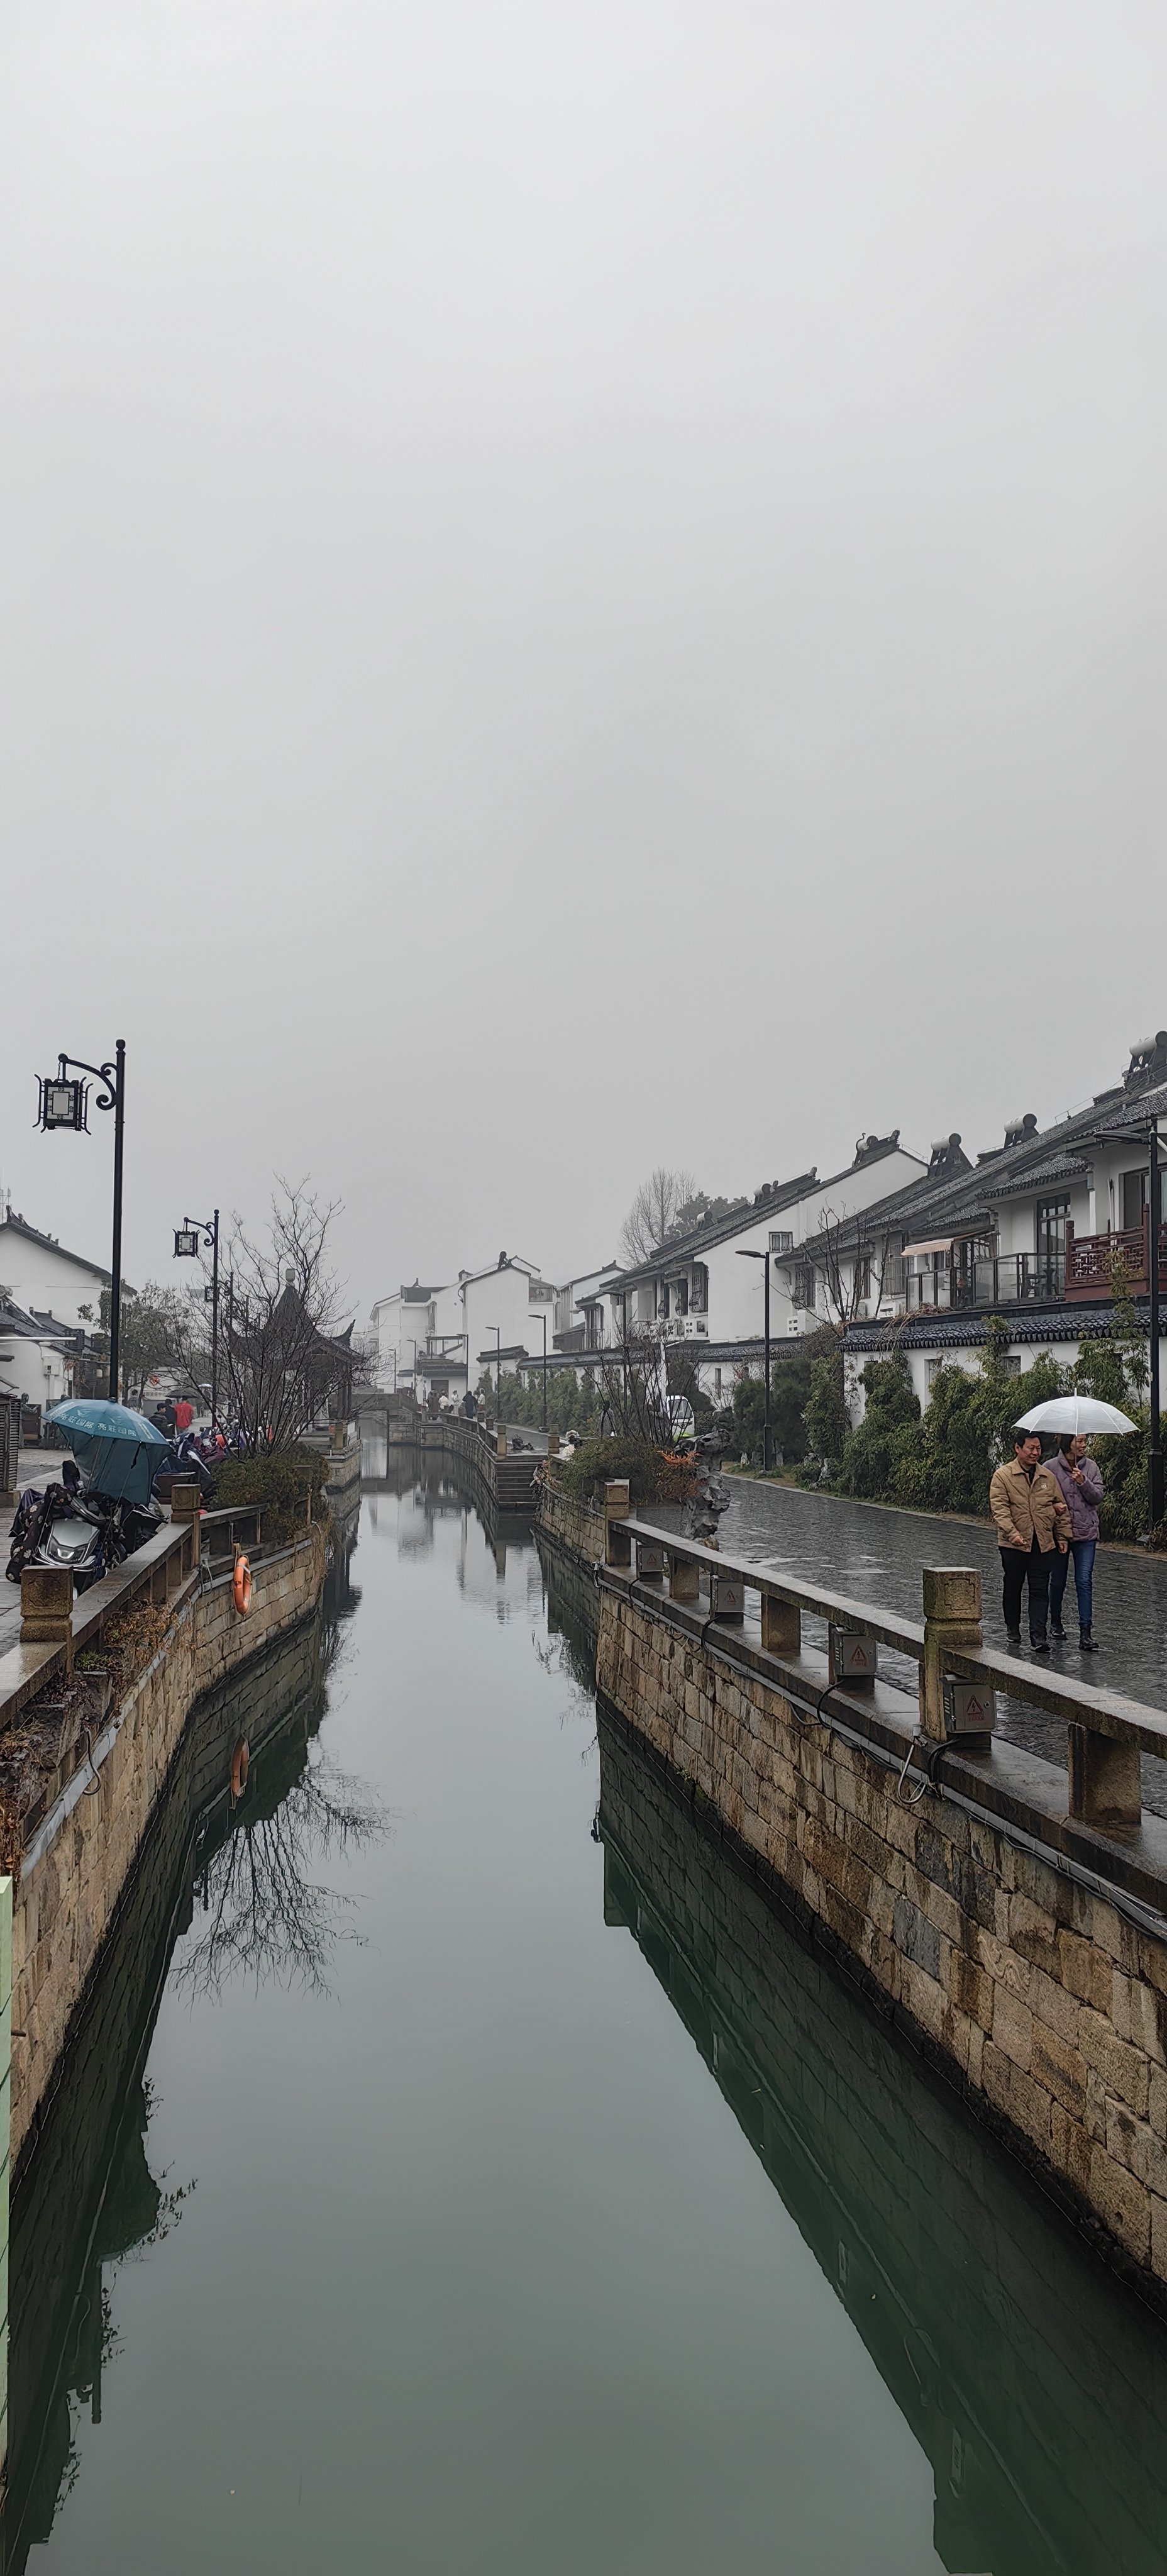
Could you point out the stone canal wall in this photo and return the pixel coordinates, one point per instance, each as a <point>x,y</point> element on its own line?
<point>87,2193</point>
<point>579,1527</point>
<point>79,1858</point>
<point>1043,1991</point>
<point>1036,2389</point>
<point>506,1479</point>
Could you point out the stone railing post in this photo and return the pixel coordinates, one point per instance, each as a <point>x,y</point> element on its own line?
<point>617,1541</point>
<point>1106,1787</point>
<point>553,1444</point>
<point>952,1618</point>
<point>781,1626</point>
<point>46,1608</point>
<point>684,1579</point>
<point>500,1441</point>
<point>184,1507</point>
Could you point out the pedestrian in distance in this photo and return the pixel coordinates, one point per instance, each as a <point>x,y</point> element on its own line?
<point>183,1415</point>
<point>1080,1484</point>
<point>1033,1526</point>
<point>470,1406</point>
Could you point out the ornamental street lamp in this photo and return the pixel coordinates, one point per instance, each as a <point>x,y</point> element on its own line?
<point>64,1102</point>
<point>745,1254</point>
<point>189,1238</point>
<point>496,1329</point>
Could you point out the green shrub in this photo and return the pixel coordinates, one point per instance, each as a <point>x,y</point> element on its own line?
<point>1117,1371</point>
<point>941,1460</point>
<point>281,1484</point>
<point>570,1405</point>
<point>826,1419</point>
<point>883,1448</point>
<point>745,1423</point>
<point>601,1462</point>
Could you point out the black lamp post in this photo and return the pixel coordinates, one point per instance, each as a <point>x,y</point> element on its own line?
<point>1155,1456</point>
<point>188,1240</point>
<point>767,1445</point>
<point>496,1329</point>
<point>64,1102</point>
<point>543,1321</point>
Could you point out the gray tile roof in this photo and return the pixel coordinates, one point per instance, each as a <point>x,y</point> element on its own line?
<point>967,1332</point>
<point>1056,1167</point>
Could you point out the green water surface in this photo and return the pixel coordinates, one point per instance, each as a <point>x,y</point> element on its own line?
<point>485,2183</point>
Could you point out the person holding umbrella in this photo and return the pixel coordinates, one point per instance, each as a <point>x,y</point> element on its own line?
<point>1070,1419</point>
<point>1032,1522</point>
<point>1079,1482</point>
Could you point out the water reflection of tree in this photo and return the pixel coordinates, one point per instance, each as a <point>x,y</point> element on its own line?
<point>268,1917</point>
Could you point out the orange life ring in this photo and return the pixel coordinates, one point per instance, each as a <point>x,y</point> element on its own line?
<point>241,1585</point>
<point>240,1764</point>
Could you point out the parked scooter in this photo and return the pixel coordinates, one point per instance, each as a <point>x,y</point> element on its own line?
<point>66,1524</point>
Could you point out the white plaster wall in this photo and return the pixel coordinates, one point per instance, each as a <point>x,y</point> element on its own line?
<point>34,1371</point>
<point>44,1279</point>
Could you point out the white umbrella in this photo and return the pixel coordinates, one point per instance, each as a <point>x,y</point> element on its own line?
<point>1075,1413</point>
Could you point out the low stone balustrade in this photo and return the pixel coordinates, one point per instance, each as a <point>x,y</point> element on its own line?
<point>1013,1913</point>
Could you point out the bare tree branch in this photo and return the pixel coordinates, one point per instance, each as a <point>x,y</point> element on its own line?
<point>654,1212</point>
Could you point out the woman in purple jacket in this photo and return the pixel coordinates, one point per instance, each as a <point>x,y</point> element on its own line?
<point>1080,1484</point>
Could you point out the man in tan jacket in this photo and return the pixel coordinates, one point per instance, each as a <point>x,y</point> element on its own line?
<point>1032,1524</point>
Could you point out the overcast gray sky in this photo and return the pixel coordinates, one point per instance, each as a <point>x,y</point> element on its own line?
<point>583,586</point>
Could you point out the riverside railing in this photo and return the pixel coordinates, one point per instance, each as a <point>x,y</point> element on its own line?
<point>54,1626</point>
<point>959,1676</point>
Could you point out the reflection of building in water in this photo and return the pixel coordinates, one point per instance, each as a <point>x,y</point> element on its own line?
<point>422,1510</point>
<point>1035,2383</point>
<point>88,2195</point>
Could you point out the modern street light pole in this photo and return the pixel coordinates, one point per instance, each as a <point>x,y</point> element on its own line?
<point>1155,1458</point>
<point>186,1248</point>
<point>65,1103</point>
<point>767,1443</point>
<point>496,1329</point>
<point>543,1321</point>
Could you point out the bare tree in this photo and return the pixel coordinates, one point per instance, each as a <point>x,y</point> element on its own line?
<point>163,1328</point>
<point>654,1213</point>
<point>854,1258</point>
<point>633,1389</point>
<point>266,1915</point>
<point>281,1357</point>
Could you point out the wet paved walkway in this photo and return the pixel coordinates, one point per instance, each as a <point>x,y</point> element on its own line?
<point>876,1554</point>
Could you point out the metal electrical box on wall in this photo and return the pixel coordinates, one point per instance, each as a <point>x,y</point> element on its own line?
<point>854,1656</point>
<point>970,1708</point>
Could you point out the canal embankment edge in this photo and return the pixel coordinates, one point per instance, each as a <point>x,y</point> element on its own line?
<point>82,1852</point>
<point>1036,1986</point>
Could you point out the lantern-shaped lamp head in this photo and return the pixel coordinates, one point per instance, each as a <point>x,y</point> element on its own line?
<point>63,1103</point>
<point>186,1243</point>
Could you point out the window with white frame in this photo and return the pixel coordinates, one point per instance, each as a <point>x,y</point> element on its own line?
<point>782,1241</point>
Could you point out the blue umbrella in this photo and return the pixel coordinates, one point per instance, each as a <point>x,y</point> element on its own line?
<point>117,1450</point>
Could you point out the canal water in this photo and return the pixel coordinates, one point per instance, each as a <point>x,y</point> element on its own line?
<point>465,2170</point>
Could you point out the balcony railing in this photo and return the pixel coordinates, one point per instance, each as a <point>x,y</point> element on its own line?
<point>1007,1279</point>
<point>1090,1259</point>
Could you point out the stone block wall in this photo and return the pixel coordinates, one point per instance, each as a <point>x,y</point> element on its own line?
<point>1034,2384</point>
<point>94,2115</point>
<point>80,1858</point>
<point>1046,1998</point>
<point>578,1526</point>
